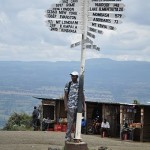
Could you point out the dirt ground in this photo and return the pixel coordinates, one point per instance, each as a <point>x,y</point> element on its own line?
<point>44,140</point>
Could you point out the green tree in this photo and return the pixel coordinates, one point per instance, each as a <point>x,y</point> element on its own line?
<point>18,121</point>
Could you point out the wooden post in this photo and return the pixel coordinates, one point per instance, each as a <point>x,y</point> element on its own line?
<point>121,119</point>
<point>142,122</point>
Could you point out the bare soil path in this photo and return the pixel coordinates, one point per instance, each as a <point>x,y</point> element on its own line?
<point>41,140</point>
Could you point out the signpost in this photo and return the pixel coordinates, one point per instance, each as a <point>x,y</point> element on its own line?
<point>86,17</point>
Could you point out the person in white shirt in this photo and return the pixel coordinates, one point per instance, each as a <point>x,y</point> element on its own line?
<point>105,128</point>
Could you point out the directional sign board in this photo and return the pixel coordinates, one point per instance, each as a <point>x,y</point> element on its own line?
<point>91,35</point>
<point>67,9</point>
<point>64,22</point>
<point>63,12</point>
<point>107,15</point>
<point>103,26</point>
<point>97,4</point>
<point>62,5</point>
<point>112,21</point>
<point>93,47</point>
<point>91,29</point>
<point>106,9</point>
<point>75,44</point>
<point>68,17</point>
<point>79,31</point>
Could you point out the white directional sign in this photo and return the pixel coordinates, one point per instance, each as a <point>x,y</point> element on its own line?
<point>106,9</point>
<point>107,15</point>
<point>91,29</point>
<point>68,17</point>
<point>112,21</point>
<point>62,5</point>
<point>66,30</point>
<point>97,4</point>
<point>75,44</point>
<point>103,26</point>
<point>93,47</point>
<point>64,22</point>
<point>91,35</point>
<point>67,26</point>
<point>62,12</point>
<point>57,10</point>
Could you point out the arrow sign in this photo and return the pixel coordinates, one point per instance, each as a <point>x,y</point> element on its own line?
<point>106,4</point>
<point>67,17</point>
<point>93,47</point>
<point>67,26</point>
<point>106,9</point>
<point>62,12</point>
<point>107,15</point>
<point>105,20</point>
<point>79,31</point>
<point>55,9</point>
<point>95,30</point>
<point>75,44</point>
<point>64,22</point>
<point>88,40</point>
<point>96,25</point>
<point>91,35</point>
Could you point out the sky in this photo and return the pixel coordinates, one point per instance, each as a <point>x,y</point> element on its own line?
<point>24,35</point>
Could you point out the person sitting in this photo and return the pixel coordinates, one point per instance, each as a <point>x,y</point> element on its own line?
<point>105,128</point>
<point>126,132</point>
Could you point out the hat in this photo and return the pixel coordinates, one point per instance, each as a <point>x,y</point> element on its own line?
<point>74,73</point>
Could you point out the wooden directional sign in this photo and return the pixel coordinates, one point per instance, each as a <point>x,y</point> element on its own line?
<point>106,9</point>
<point>97,4</point>
<point>112,21</point>
<point>107,15</point>
<point>93,47</point>
<point>91,29</point>
<point>103,26</point>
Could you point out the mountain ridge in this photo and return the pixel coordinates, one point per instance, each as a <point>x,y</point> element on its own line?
<point>105,80</point>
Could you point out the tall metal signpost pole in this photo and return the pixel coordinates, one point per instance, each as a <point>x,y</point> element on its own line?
<point>86,17</point>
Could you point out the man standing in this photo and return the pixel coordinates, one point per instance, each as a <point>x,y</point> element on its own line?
<point>71,93</point>
<point>35,118</point>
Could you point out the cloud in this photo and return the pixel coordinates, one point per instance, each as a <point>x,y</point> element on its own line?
<point>25,36</point>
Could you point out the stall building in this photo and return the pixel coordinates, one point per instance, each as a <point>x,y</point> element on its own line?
<point>117,114</point>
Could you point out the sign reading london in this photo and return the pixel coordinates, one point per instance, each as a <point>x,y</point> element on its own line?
<point>88,17</point>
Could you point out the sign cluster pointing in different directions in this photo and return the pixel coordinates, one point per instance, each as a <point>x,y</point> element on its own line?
<point>67,16</point>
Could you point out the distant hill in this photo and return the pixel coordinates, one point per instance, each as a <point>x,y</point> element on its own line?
<point>105,80</point>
